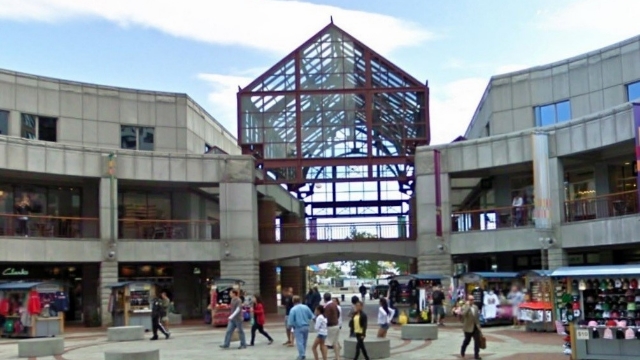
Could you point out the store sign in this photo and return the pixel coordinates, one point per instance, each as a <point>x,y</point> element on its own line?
<point>582,334</point>
<point>15,272</point>
<point>470,278</point>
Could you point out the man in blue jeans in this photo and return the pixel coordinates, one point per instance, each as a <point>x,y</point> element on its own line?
<point>235,321</point>
<point>299,317</point>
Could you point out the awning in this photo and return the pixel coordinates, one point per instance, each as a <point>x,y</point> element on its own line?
<point>19,285</point>
<point>598,270</point>
<point>492,275</point>
<point>535,272</point>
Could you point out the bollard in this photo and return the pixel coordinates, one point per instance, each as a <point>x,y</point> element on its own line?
<point>342,298</point>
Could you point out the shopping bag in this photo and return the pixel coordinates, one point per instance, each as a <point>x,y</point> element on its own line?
<point>483,342</point>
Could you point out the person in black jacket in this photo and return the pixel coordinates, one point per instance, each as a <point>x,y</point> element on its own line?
<point>157,313</point>
<point>359,321</point>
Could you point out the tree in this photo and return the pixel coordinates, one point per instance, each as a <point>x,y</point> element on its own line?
<point>401,267</point>
<point>333,270</point>
<point>365,269</point>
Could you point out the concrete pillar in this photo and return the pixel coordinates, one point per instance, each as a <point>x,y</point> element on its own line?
<point>108,275</point>
<point>557,257</point>
<point>15,123</point>
<point>413,217</point>
<point>267,209</point>
<point>292,228</point>
<point>434,256</point>
<point>293,276</point>
<point>239,245</point>
<point>90,292</point>
<point>268,286</point>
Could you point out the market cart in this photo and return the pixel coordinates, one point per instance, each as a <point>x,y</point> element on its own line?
<point>600,303</point>
<point>41,313</point>
<point>130,304</point>
<point>221,299</point>
<point>537,310</point>
<point>411,295</point>
<point>484,284</point>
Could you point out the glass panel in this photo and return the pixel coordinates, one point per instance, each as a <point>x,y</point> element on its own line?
<point>145,140</point>
<point>633,91</point>
<point>159,205</point>
<point>47,129</point>
<point>6,207</point>
<point>4,122</point>
<point>547,115</point>
<point>64,202</point>
<point>563,110</point>
<point>31,200</point>
<point>128,137</point>
<point>28,126</point>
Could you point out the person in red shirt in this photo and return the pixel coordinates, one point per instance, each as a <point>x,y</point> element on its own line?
<point>258,320</point>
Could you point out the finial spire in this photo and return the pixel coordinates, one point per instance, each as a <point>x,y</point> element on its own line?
<point>331,17</point>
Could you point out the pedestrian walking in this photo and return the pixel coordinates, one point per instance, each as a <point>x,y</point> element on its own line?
<point>359,321</point>
<point>321,329</point>
<point>385,314</point>
<point>257,311</point>
<point>299,318</point>
<point>157,313</point>
<point>471,327</point>
<point>235,321</point>
<point>332,313</point>
<point>287,302</point>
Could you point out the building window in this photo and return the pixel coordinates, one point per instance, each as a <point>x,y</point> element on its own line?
<point>487,129</point>
<point>553,113</point>
<point>4,122</point>
<point>136,138</point>
<point>633,91</point>
<point>39,128</point>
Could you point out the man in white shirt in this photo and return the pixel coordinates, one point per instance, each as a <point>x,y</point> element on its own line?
<point>517,204</point>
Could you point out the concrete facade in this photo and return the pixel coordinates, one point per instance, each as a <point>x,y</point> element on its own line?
<point>501,145</point>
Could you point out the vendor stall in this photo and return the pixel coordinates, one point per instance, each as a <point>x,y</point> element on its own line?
<point>221,299</point>
<point>130,304</point>
<point>32,309</point>
<point>489,289</point>
<point>600,304</point>
<point>537,310</point>
<point>411,294</point>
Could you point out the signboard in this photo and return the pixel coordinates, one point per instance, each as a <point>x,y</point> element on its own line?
<point>582,334</point>
<point>470,278</point>
<point>10,271</point>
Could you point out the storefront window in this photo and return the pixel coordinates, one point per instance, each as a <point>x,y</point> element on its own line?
<point>34,199</point>
<point>623,177</point>
<point>580,185</point>
<point>142,206</point>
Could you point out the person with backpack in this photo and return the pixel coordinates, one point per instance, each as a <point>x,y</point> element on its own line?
<point>157,314</point>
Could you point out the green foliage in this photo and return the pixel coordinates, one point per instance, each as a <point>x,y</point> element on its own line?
<point>333,271</point>
<point>401,267</point>
<point>366,269</point>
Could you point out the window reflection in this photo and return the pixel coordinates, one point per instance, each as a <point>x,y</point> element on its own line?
<point>28,126</point>
<point>128,137</point>
<point>136,138</point>
<point>633,91</point>
<point>142,206</point>
<point>4,122</point>
<point>553,113</point>
<point>145,139</point>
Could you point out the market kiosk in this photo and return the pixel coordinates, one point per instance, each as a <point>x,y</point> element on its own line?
<point>411,295</point>
<point>221,299</point>
<point>600,303</point>
<point>33,309</point>
<point>130,304</point>
<point>537,310</point>
<point>489,290</point>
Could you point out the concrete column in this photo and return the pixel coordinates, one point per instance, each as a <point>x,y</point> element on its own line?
<point>15,123</point>
<point>413,217</point>
<point>268,286</point>
<point>239,245</point>
<point>90,292</point>
<point>293,276</point>
<point>434,256</point>
<point>292,228</point>
<point>108,275</point>
<point>267,208</point>
<point>557,258</point>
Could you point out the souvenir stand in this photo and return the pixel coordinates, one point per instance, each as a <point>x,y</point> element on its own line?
<point>130,304</point>
<point>600,305</point>
<point>537,310</point>
<point>33,309</point>
<point>411,294</point>
<point>497,310</point>
<point>221,299</point>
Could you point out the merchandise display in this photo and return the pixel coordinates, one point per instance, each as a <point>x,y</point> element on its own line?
<point>537,310</point>
<point>220,291</point>
<point>130,304</point>
<point>412,294</point>
<point>32,309</point>
<point>600,303</point>
<point>489,290</point>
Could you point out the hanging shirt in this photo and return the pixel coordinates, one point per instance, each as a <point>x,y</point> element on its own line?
<point>33,304</point>
<point>490,308</point>
<point>61,302</point>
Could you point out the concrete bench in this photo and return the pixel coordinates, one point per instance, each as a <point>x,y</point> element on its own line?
<point>174,319</point>
<point>132,355</point>
<point>33,348</point>
<point>376,348</point>
<point>419,332</point>
<point>125,333</point>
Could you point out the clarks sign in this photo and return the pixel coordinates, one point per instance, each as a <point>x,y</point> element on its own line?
<point>15,272</point>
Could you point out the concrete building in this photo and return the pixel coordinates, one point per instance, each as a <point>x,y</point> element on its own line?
<point>546,173</point>
<point>101,184</point>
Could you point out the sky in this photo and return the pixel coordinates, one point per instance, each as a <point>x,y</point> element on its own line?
<point>208,48</point>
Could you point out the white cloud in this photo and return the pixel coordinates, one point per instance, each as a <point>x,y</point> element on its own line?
<point>273,25</point>
<point>452,106</point>
<point>613,19</point>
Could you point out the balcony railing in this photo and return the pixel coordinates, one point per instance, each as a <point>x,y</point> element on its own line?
<point>292,233</point>
<point>492,219</point>
<point>168,229</point>
<point>601,207</point>
<point>42,226</point>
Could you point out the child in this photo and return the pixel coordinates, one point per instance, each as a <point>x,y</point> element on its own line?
<point>321,329</point>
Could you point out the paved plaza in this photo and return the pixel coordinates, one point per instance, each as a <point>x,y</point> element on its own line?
<point>202,342</point>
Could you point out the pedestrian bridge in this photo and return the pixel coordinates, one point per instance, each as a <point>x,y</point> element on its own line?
<point>318,243</point>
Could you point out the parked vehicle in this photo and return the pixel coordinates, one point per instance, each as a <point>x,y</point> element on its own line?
<point>380,291</point>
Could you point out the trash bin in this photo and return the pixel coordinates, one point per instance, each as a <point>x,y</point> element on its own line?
<point>342,298</point>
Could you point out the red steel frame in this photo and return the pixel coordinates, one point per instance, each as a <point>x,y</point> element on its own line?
<point>370,161</point>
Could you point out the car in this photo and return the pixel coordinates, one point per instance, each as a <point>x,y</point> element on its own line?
<point>380,291</point>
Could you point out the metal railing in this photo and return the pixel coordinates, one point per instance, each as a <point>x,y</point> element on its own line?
<point>168,229</point>
<point>290,233</point>
<point>43,226</point>
<point>492,219</point>
<point>599,207</point>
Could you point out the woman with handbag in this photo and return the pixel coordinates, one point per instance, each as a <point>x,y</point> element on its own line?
<point>258,320</point>
<point>471,328</point>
